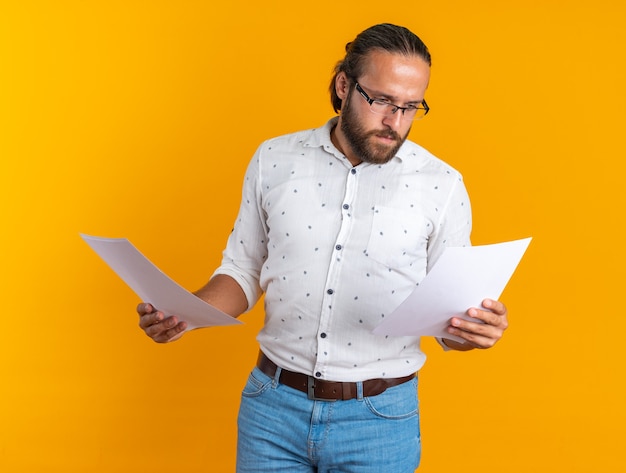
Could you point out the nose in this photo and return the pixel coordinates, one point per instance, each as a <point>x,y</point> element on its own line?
<point>393,121</point>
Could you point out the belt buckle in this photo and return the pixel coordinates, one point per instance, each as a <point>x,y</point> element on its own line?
<point>310,390</point>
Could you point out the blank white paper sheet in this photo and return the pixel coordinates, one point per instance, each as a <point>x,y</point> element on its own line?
<point>154,286</point>
<point>462,278</point>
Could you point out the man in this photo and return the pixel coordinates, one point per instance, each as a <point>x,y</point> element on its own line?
<point>337,226</point>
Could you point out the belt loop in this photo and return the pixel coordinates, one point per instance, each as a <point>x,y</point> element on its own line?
<point>359,390</point>
<point>276,379</point>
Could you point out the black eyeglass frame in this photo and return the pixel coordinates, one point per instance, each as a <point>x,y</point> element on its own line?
<point>370,101</point>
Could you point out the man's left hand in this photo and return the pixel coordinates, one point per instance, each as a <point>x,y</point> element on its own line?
<point>491,322</point>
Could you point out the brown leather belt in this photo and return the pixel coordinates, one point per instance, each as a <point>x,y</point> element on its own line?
<point>319,389</point>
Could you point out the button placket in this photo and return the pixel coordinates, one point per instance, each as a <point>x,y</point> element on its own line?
<point>325,330</point>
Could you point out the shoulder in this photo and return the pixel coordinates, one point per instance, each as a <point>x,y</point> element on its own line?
<point>312,138</point>
<point>291,141</point>
<point>423,161</point>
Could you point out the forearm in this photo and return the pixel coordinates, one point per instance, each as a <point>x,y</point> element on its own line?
<point>223,293</point>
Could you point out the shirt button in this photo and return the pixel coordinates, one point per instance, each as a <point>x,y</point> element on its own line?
<point>338,247</point>
<point>318,374</point>
<point>323,335</point>
<point>346,206</point>
<point>353,171</point>
<point>330,291</point>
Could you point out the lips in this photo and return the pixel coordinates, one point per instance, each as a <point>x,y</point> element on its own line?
<point>387,137</point>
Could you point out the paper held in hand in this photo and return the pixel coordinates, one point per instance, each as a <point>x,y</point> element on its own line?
<point>154,286</point>
<point>462,278</point>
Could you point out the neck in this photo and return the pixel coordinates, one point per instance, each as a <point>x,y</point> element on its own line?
<point>337,139</point>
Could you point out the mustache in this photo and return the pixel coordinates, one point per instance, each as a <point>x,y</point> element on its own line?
<point>385,134</point>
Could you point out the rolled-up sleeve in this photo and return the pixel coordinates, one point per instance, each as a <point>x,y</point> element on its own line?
<point>246,249</point>
<point>454,228</point>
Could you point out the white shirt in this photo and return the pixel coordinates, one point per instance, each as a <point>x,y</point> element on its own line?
<point>336,248</point>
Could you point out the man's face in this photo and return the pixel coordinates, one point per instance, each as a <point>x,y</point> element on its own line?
<point>371,145</point>
<point>368,137</point>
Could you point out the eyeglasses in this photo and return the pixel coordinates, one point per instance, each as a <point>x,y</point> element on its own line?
<point>382,107</point>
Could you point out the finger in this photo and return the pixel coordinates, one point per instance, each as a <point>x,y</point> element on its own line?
<point>478,328</point>
<point>160,327</point>
<point>474,339</point>
<point>480,335</point>
<point>144,308</point>
<point>151,319</point>
<point>488,317</point>
<point>494,306</point>
<point>170,334</point>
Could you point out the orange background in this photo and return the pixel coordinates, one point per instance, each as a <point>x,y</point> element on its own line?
<point>137,118</point>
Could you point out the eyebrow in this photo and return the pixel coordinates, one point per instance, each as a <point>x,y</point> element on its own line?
<point>392,98</point>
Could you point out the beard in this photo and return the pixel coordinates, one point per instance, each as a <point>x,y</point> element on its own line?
<point>363,142</point>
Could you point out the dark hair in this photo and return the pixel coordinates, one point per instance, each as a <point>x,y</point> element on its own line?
<point>384,37</point>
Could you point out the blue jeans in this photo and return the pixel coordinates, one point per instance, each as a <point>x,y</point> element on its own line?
<point>281,430</point>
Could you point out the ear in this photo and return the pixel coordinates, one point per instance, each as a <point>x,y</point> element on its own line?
<point>342,85</point>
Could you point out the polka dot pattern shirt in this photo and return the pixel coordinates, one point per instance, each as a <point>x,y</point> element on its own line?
<point>336,248</point>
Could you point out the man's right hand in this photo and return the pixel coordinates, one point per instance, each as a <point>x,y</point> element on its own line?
<point>159,328</point>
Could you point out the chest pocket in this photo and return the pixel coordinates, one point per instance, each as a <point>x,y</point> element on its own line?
<point>398,238</point>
